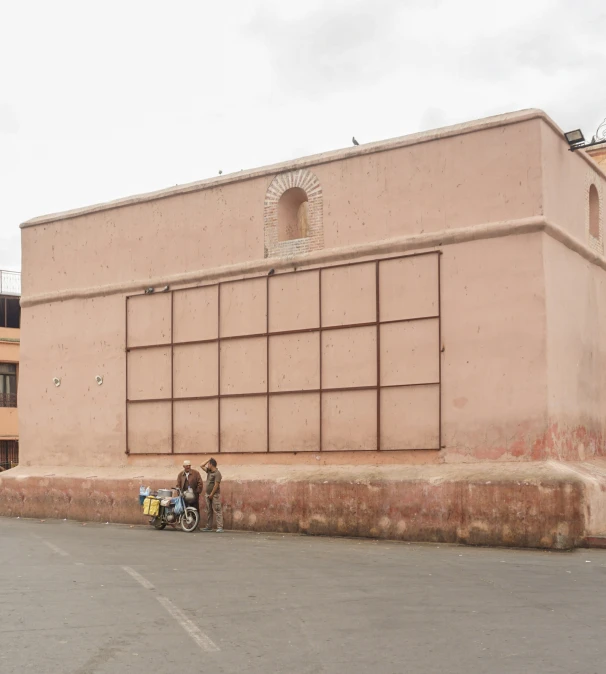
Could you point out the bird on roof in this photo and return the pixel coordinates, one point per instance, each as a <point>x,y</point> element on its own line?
<point>149,291</point>
<point>220,171</point>
<point>271,272</point>
<point>354,141</point>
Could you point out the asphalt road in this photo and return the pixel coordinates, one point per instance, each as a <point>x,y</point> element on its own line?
<point>109,599</point>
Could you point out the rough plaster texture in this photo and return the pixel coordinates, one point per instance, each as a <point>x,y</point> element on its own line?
<point>567,177</point>
<point>576,355</point>
<point>543,505</point>
<point>520,285</point>
<point>369,197</point>
<point>598,154</point>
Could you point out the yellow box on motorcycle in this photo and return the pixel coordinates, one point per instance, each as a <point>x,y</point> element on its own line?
<point>151,506</point>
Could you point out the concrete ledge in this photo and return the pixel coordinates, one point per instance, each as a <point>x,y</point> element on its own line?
<point>523,505</point>
<point>398,245</point>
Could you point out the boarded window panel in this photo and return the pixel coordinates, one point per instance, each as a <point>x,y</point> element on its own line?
<point>294,301</point>
<point>195,370</point>
<point>244,366</point>
<point>410,417</point>
<point>349,295</point>
<point>149,428</point>
<point>244,424</point>
<point>349,420</point>
<point>195,314</point>
<point>349,357</point>
<point>409,353</point>
<point>243,308</point>
<point>408,287</point>
<point>149,374</point>
<point>294,362</point>
<point>149,319</point>
<point>294,423</point>
<point>195,424</point>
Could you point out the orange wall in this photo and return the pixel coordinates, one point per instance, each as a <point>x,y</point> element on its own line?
<point>9,345</point>
<point>9,422</point>
<point>9,353</point>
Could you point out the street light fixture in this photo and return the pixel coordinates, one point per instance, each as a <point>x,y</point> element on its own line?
<point>576,139</point>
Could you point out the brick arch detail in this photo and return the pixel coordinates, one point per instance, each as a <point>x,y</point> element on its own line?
<point>595,243</point>
<point>309,183</point>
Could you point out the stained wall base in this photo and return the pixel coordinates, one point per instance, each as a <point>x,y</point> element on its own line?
<point>537,505</point>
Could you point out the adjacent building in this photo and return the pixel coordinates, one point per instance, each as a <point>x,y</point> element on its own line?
<point>10,323</point>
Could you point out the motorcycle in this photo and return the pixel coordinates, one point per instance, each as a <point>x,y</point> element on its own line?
<point>175,511</point>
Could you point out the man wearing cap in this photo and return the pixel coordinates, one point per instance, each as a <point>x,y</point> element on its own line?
<point>189,477</point>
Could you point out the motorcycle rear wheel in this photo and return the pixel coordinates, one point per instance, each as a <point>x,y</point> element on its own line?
<point>159,524</point>
<point>190,520</point>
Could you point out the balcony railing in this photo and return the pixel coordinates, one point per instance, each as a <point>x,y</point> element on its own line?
<point>8,400</point>
<point>10,283</point>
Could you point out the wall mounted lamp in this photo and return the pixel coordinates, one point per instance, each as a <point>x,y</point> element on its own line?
<point>576,139</point>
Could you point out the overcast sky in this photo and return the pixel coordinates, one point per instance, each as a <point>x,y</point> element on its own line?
<point>99,100</point>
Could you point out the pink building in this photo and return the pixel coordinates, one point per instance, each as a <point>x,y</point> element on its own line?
<point>402,339</point>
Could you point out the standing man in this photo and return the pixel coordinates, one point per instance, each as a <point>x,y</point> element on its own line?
<point>213,495</point>
<point>189,477</point>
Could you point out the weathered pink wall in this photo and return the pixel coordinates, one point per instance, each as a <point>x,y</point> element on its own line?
<point>500,390</point>
<point>79,422</point>
<point>510,505</point>
<point>412,189</point>
<point>494,367</point>
<point>566,180</point>
<point>522,292</point>
<point>494,371</point>
<point>576,354</point>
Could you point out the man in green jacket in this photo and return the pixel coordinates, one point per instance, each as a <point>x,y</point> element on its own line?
<point>213,496</point>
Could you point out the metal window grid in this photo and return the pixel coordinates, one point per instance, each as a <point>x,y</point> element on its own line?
<point>267,334</point>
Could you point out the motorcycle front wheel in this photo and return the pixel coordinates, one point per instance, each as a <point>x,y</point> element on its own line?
<point>190,520</point>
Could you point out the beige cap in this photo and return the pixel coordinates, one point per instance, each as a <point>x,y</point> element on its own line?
<point>187,462</point>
